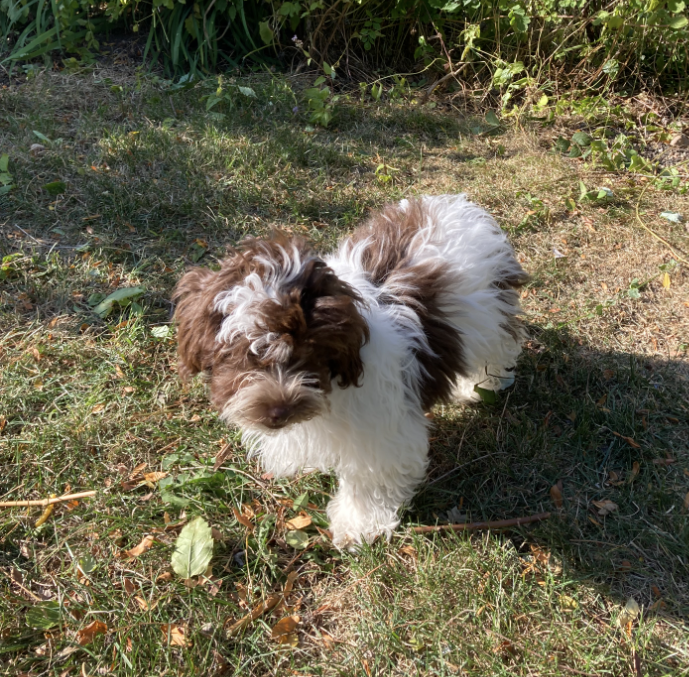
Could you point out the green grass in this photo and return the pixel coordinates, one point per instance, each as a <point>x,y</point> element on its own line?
<point>153,182</point>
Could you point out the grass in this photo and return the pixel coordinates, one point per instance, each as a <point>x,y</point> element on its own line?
<point>154,182</point>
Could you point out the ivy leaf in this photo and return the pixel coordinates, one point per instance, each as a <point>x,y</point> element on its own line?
<point>679,22</point>
<point>193,549</point>
<point>247,91</point>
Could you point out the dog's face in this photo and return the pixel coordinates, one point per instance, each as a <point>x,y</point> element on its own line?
<point>273,328</point>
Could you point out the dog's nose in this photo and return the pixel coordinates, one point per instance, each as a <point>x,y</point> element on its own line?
<point>278,415</point>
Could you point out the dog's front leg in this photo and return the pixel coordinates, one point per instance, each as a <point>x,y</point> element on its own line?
<point>367,505</point>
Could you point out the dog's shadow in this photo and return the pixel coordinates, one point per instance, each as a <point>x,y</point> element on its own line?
<point>599,427</point>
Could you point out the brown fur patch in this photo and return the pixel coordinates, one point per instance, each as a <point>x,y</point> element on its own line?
<point>388,260</point>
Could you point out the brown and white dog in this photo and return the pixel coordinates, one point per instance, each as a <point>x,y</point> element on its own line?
<point>330,362</point>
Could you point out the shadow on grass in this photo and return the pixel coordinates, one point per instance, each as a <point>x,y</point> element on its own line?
<point>608,427</point>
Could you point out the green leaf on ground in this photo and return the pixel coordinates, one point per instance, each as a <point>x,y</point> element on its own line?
<point>122,297</point>
<point>55,187</point>
<point>193,549</point>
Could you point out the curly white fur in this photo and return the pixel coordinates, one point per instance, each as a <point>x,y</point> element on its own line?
<point>375,437</point>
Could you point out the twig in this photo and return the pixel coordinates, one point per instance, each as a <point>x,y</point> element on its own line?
<point>46,501</point>
<point>479,526</point>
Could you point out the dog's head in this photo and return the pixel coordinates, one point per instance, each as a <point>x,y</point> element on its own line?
<point>274,327</point>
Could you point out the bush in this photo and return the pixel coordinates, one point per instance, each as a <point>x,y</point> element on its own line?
<point>508,43</point>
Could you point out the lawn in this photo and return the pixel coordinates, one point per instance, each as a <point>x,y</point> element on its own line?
<point>122,180</point>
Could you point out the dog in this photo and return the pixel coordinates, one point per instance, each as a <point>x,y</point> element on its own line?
<point>331,362</point>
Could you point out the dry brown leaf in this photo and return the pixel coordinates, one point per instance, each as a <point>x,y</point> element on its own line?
<point>605,507</point>
<point>165,576</point>
<point>154,476</point>
<point>556,494</point>
<point>686,501</point>
<point>129,587</point>
<point>139,468</point>
<point>118,371</point>
<point>409,551</point>
<point>145,545</point>
<point>3,423</point>
<point>98,408</point>
<point>142,603</point>
<point>284,626</point>
<point>636,468</point>
<point>85,635</point>
<point>243,520</point>
<point>628,440</point>
<point>176,635</point>
<point>301,521</point>
<point>290,639</point>
<point>663,461</point>
<point>608,374</point>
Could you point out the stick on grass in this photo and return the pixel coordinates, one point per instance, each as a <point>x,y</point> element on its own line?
<point>46,501</point>
<point>479,526</point>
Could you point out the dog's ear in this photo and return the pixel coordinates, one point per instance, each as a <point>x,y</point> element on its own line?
<point>197,321</point>
<point>340,332</point>
<point>336,328</point>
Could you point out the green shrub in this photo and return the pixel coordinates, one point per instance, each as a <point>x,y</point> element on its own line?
<point>510,44</point>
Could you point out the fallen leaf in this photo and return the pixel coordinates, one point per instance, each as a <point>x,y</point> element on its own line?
<point>297,539</point>
<point>129,587</point>
<point>663,461</point>
<point>290,639</point>
<point>629,613</point>
<point>193,549</point>
<point>605,507</point>
<point>243,520</point>
<point>145,545</point>
<point>299,522</point>
<point>666,281</point>
<point>154,476</point>
<point>98,408</point>
<point>628,440</point>
<point>143,604</point>
<point>556,494</point>
<point>409,551</point>
<point>608,374</point>
<point>176,635</point>
<point>568,603</point>
<point>165,576</point>
<point>139,468</point>
<point>686,501</point>
<point>284,626</point>
<point>636,468</point>
<point>85,635</point>
<point>3,423</point>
